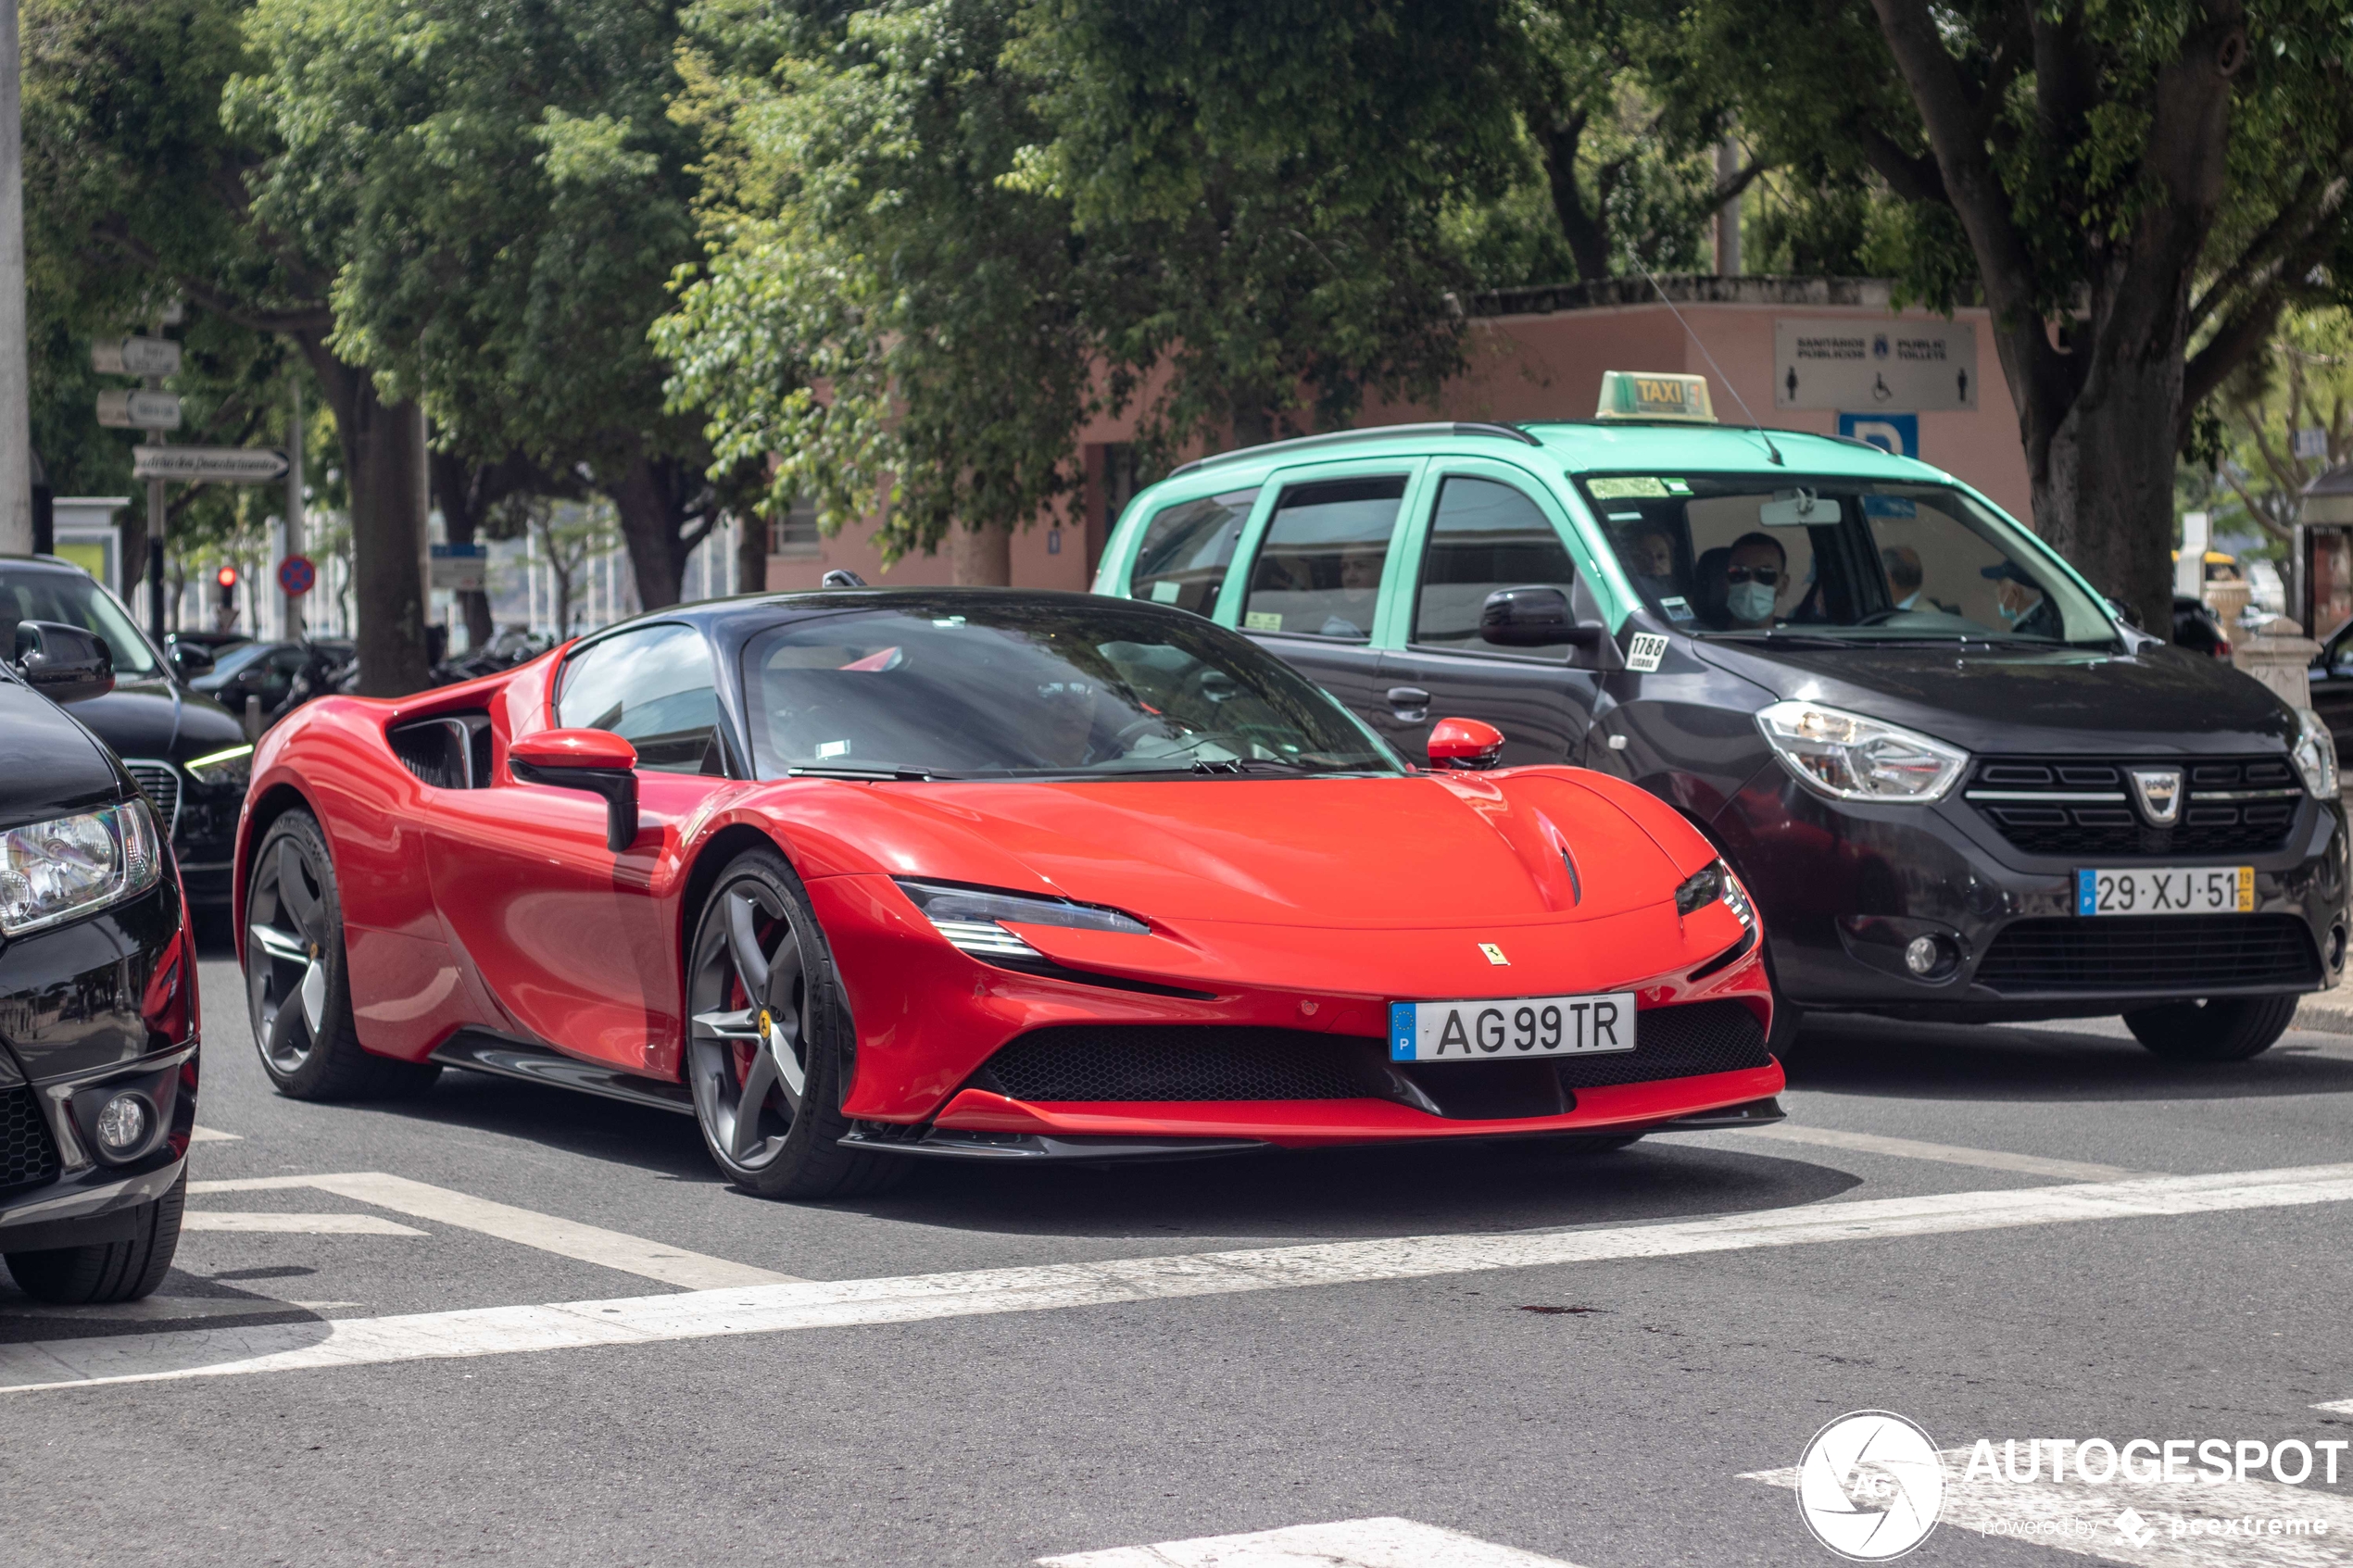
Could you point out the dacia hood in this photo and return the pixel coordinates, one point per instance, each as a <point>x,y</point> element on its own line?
<point>1422,851</point>
<point>2157,701</point>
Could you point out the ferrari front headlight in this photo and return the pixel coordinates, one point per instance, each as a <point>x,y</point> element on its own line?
<point>971,918</point>
<point>54,870</point>
<point>1847,757</point>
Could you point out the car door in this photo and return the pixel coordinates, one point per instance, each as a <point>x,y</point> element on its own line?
<point>1485,526</point>
<point>1315,583</point>
<point>2333,688</point>
<point>576,943</point>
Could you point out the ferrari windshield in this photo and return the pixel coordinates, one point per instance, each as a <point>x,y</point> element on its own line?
<point>1754,555</point>
<point>983,687</point>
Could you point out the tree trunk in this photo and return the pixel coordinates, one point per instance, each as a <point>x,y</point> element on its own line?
<point>384,463</point>
<point>981,557</point>
<point>462,504</point>
<point>649,531</point>
<point>751,554</point>
<point>2104,487</point>
<point>1587,233</point>
<point>1253,421</point>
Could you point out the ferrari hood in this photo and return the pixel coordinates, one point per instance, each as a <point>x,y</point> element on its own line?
<point>1375,854</point>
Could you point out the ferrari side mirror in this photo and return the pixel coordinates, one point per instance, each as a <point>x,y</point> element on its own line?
<point>596,760</point>
<point>1465,744</point>
<point>64,663</point>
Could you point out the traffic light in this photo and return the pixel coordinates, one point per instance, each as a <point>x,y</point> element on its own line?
<point>227,578</point>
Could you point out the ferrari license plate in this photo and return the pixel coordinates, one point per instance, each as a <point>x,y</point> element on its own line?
<point>1509,1029</point>
<point>2166,890</point>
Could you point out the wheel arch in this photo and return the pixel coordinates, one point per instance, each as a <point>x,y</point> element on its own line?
<point>261,814</point>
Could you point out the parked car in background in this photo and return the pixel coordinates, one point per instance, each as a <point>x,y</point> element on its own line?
<point>2198,628</point>
<point>97,986</point>
<point>1958,785</point>
<point>265,669</point>
<point>189,755</point>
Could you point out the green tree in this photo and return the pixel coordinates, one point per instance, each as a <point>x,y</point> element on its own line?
<point>2298,383</point>
<point>2135,190</point>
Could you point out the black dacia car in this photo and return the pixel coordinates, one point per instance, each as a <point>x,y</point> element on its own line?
<point>187,752</point>
<point>97,994</point>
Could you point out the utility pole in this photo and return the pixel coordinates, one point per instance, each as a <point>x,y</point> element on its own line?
<point>15,384</point>
<point>295,542</point>
<point>154,527</point>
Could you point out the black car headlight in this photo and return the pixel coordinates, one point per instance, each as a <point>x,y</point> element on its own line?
<point>2315,754</point>
<point>232,768</point>
<point>1848,757</point>
<point>971,918</point>
<point>54,870</point>
<point>1711,884</point>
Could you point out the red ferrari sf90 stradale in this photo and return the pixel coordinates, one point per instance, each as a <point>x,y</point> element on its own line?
<point>855,877</point>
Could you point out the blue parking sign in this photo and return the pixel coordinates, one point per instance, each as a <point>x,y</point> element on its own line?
<point>1897,433</point>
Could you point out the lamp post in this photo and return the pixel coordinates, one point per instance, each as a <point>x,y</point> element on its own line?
<point>15,387</point>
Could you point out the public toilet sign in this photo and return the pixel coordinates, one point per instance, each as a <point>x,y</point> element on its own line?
<point>233,464</point>
<point>1912,365</point>
<point>122,409</point>
<point>135,356</point>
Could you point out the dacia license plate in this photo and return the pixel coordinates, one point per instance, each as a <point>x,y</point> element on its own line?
<point>1508,1029</point>
<point>2166,890</point>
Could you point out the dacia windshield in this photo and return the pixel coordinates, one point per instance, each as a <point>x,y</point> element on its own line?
<point>1795,557</point>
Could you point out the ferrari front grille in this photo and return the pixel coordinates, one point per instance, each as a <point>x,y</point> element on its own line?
<point>1677,1042</point>
<point>27,1153</point>
<point>1105,1062</point>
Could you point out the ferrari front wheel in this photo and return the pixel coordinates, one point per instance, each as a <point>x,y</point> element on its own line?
<point>768,1038</point>
<point>297,992</point>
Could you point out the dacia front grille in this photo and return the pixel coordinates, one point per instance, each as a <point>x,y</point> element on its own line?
<point>2083,807</point>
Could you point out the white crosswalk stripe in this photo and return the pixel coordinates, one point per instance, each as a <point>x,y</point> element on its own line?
<point>771,1309</point>
<point>294,1225</point>
<point>1349,1543</point>
<point>1943,1153</point>
<point>2337,1407</point>
<point>2204,1525</point>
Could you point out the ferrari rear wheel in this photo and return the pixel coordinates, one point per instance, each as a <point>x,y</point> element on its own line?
<point>296,989</point>
<point>767,1040</point>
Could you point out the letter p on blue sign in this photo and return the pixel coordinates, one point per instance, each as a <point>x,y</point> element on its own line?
<point>1897,434</point>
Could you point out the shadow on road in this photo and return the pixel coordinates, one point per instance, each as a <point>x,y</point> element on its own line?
<point>1965,1062</point>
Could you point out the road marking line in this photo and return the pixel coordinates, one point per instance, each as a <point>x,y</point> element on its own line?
<point>294,1225</point>
<point>772,1309</point>
<point>2078,1517</point>
<point>2337,1407</point>
<point>172,1309</point>
<point>1350,1543</point>
<point>566,1238</point>
<point>1944,1153</point>
<point>214,1134</point>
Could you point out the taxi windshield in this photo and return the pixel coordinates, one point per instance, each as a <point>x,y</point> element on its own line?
<point>1754,555</point>
<point>978,688</point>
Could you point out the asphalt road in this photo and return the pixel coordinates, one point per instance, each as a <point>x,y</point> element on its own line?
<point>1589,1363</point>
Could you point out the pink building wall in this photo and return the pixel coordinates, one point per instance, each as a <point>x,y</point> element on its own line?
<point>1542,365</point>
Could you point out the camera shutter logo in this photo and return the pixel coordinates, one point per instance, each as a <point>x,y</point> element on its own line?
<point>1871,1486</point>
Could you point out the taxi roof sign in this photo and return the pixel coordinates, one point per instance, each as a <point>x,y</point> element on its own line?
<point>1644,394</point>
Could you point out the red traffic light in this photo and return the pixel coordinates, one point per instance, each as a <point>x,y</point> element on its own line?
<point>226,577</point>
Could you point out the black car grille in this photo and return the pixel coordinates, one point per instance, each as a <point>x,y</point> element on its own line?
<point>2150,952</point>
<point>159,782</point>
<point>1181,1061</point>
<point>27,1154</point>
<point>2083,806</point>
<point>1678,1042</point>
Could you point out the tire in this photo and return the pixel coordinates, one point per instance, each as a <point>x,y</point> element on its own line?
<point>297,993</point>
<point>2227,1029</point>
<point>766,1023</point>
<point>108,1271</point>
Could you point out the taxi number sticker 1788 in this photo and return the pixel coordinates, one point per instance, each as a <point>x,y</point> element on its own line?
<point>1647,649</point>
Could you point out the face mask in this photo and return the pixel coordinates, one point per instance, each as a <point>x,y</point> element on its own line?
<point>1749,601</point>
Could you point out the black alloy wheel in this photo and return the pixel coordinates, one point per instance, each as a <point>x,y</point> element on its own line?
<point>296,990</point>
<point>767,1037</point>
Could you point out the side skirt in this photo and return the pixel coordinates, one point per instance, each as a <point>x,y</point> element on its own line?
<point>537,1064</point>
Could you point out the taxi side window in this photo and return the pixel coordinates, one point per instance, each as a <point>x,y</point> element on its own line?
<point>1185,551</point>
<point>1483,535</point>
<point>1319,569</point>
<point>652,687</point>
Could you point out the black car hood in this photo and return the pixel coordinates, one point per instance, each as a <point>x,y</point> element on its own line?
<point>2157,701</point>
<point>54,769</point>
<point>150,717</point>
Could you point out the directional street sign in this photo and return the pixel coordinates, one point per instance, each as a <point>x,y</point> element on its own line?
<point>135,356</point>
<point>121,409</point>
<point>1906,366</point>
<point>236,465</point>
<point>296,576</point>
<point>462,567</point>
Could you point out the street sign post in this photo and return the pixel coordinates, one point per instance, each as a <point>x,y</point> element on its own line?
<point>460,567</point>
<point>232,465</point>
<point>135,356</point>
<point>296,576</point>
<point>1910,366</point>
<point>124,409</point>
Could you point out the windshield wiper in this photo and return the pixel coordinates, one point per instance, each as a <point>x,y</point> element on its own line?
<point>883,774</point>
<point>1251,765</point>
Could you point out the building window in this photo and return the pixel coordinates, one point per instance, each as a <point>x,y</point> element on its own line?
<point>795,534</point>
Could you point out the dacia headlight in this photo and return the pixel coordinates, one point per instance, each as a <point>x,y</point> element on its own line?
<point>1847,757</point>
<point>969,918</point>
<point>232,768</point>
<point>2315,754</point>
<point>54,870</point>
